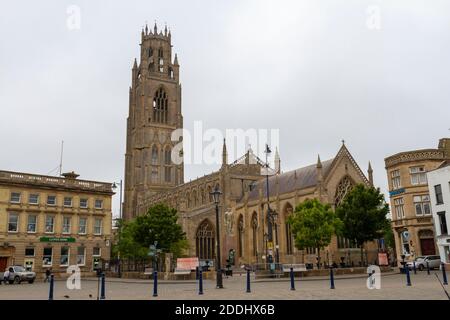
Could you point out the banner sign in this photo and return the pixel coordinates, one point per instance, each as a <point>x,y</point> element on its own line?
<point>187,263</point>
<point>56,239</point>
<point>383,259</point>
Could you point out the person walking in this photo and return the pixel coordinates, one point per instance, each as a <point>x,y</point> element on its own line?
<point>47,275</point>
<point>6,276</point>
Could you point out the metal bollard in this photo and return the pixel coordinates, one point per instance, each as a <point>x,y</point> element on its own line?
<point>414,267</point>
<point>102,290</point>
<point>200,282</point>
<point>331,279</point>
<point>408,278</point>
<point>52,283</point>
<point>248,281</point>
<point>292,279</point>
<point>444,274</point>
<point>155,283</point>
<point>428,268</point>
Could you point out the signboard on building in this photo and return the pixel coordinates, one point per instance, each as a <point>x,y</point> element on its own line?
<point>187,263</point>
<point>56,239</point>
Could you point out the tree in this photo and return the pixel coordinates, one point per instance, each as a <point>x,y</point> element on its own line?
<point>313,224</point>
<point>126,245</point>
<point>363,213</point>
<point>160,224</point>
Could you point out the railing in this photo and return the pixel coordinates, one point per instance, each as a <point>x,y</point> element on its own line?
<point>18,177</point>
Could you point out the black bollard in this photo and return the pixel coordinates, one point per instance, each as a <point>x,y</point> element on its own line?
<point>408,278</point>
<point>200,282</point>
<point>248,281</point>
<point>331,279</point>
<point>155,283</point>
<point>428,268</point>
<point>102,290</point>
<point>444,274</point>
<point>52,283</point>
<point>292,279</point>
<point>414,267</point>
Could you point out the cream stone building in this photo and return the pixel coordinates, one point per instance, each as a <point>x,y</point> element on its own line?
<point>54,222</point>
<point>410,199</point>
<point>151,176</point>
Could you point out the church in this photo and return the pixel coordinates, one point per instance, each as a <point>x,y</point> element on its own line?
<point>247,231</point>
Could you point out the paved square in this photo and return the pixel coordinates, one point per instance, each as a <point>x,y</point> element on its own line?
<point>393,286</point>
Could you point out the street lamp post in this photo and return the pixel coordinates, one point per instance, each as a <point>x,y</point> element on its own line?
<point>269,215</point>
<point>216,195</point>
<point>114,186</point>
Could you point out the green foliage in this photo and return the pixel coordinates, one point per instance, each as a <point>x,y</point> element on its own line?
<point>363,212</point>
<point>313,224</point>
<point>158,224</point>
<point>388,236</point>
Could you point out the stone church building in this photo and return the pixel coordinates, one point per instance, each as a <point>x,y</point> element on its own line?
<point>151,177</point>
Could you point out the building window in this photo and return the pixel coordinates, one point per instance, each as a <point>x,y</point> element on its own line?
<point>422,205</point>
<point>205,241</point>
<point>67,201</point>
<point>31,225</point>
<point>29,252</point>
<point>167,163</point>
<point>13,222</point>
<point>66,225</point>
<point>33,198</point>
<point>405,244</point>
<point>81,256</point>
<point>82,226</point>
<point>47,257</point>
<point>442,223</point>
<point>255,234</point>
<point>398,207</point>
<point>83,203</point>
<point>51,200</point>
<point>344,243</point>
<point>64,261</point>
<point>438,192</point>
<point>418,175</point>
<point>15,197</point>
<point>98,227</point>
<point>160,106</point>
<point>395,179</point>
<point>96,255</point>
<point>49,224</point>
<point>98,204</point>
<point>241,236</point>
<point>154,177</point>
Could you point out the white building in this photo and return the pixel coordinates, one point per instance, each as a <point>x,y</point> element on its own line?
<point>439,186</point>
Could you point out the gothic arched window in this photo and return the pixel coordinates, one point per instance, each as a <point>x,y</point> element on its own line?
<point>343,188</point>
<point>289,238</point>
<point>241,236</point>
<point>255,233</point>
<point>154,155</point>
<point>204,242</point>
<point>160,106</point>
<point>167,165</point>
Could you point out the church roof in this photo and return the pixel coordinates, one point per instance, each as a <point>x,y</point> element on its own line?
<point>300,178</point>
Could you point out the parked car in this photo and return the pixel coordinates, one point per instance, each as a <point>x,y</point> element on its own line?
<point>421,262</point>
<point>17,274</point>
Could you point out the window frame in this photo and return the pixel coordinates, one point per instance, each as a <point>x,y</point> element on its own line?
<point>95,204</point>
<point>37,198</point>
<point>17,222</point>
<point>53,223</point>
<point>87,203</point>
<point>15,201</point>
<point>419,174</point>
<point>35,223</point>
<point>61,256</point>
<point>51,204</point>
<point>68,205</point>
<point>84,256</point>
<point>64,225</point>
<point>438,195</point>
<point>396,180</point>
<point>85,225</point>
<point>95,227</point>
<point>399,203</point>
<point>45,255</point>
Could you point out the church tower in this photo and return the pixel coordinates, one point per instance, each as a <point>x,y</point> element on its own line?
<point>154,113</point>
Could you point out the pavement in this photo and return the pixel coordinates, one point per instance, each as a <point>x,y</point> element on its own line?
<point>348,287</point>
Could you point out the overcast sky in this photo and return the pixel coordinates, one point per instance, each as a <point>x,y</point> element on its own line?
<point>375,73</point>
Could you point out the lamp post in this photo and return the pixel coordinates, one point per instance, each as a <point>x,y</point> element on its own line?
<point>114,186</point>
<point>216,195</point>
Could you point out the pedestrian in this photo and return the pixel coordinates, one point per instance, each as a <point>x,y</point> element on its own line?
<point>47,275</point>
<point>6,276</point>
